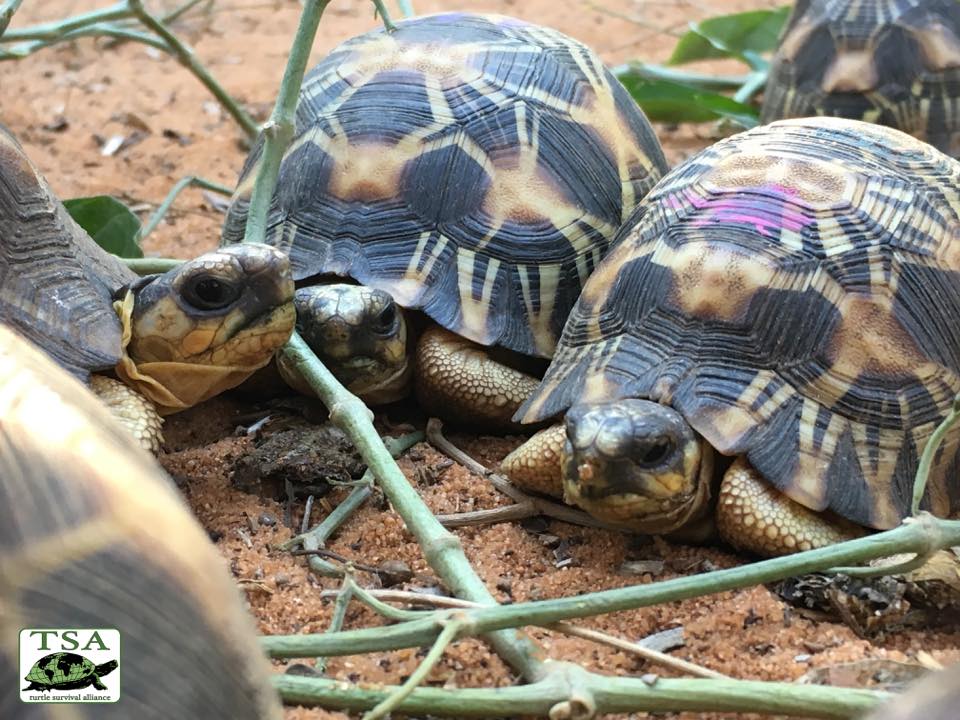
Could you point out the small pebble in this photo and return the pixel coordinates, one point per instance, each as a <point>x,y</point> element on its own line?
<point>394,572</point>
<point>267,519</point>
<point>649,679</point>
<point>802,658</point>
<point>281,580</point>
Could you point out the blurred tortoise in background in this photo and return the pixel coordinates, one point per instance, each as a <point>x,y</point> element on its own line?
<point>895,63</point>
<point>473,167</point>
<point>173,339</point>
<point>92,535</point>
<point>934,697</point>
<point>789,297</point>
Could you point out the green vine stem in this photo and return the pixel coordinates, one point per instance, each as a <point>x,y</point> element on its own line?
<point>930,452</point>
<point>607,695</point>
<point>44,31</point>
<point>441,548</point>
<point>392,701</point>
<point>922,534</point>
<point>187,58</point>
<point>278,131</point>
<point>164,207</point>
<point>151,266</point>
<point>406,8</point>
<point>6,14</point>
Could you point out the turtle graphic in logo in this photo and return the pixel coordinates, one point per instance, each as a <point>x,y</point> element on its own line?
<point>67,671</point>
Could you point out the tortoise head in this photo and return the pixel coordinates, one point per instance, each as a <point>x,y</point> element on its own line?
<point>205,326</point>
<point>635,463</point>
<point>360,334</point>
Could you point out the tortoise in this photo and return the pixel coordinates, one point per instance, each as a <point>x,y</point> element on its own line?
<point>933,697</point>
<point>175,339</point>
<point>788,298</point>
<point>470,167</point>
<point>895,63</point>
<point>93,534</point>
<point>67,671</point>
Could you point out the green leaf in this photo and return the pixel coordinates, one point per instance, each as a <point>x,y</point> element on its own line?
<point>109,222</point>
<point>741,35</point>
<point>665,101</point>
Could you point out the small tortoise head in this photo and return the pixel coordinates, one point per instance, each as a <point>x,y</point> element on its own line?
<point>208,324</point>
<point>360,334</point>
<point>635,463</point>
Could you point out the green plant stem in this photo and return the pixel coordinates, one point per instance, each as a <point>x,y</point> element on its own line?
<point>164,207</point>
<point>441,549</point>
<point>278,132</point>
<point>381,10</point>
<point>6,14</point>
<point>151,266</point>
<point>187,58</point>
<point>44,31</point>
<point>180,11</point>
<point>754,83</point>
<point>339,615</point>
<point>396,698</point>
<point>930,452</point>
<point>921,535</point>
<point>702,81</point>
<point>609,695</point>
<point>406,8</point>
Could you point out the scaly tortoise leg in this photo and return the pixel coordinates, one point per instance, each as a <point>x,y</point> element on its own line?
<point>132,409</point>
<point>754,516</point>
<point>456,379</point>
<point>535,465</point>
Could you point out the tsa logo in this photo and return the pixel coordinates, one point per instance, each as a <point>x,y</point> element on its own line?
<point>69,665</point>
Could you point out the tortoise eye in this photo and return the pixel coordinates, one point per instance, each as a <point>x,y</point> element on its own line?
<point>210,293</point>
<point>386,319</point>
<point>656,453</point>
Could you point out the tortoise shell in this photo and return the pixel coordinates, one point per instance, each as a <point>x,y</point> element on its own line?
<point>473,166</point>
<point>794,292</point>
<point>56,284</point>
<point>896,63</point>
<point>92,535</point>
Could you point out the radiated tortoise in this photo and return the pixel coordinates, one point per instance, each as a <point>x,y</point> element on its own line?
<point>175,339</point>
<point>94,535</point>
<point>472,167</point>
<point>895,62</point>
<point>790,297</point>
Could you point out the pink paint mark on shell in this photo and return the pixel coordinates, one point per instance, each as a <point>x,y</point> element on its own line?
<point>768,208</point>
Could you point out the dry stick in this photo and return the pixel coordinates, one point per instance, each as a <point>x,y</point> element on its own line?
<point>186,57</point>
<point>649,654</point>
<point>525,505</point>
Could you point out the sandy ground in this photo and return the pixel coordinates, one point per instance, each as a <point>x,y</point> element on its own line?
<point>65,102</point>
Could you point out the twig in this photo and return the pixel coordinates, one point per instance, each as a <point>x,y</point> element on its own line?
<point>525,505</point>
<point>187,58</point>
<point>649,654</point>
<point>279,130</point>
<point>164,207</point>
<point>451,627</point>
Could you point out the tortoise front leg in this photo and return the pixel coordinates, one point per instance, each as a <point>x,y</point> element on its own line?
<point>132,409</point>
<point>457,380</point>
<point>754,516</point>
<point>535,465</point>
